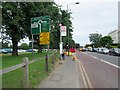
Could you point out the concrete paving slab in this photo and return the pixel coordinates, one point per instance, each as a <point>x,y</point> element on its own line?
<point>64,76</point>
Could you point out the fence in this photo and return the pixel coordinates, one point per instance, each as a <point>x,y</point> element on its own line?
<point>25,66</point>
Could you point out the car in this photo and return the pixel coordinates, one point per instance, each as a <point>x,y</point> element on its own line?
<point>99,50</point>
<point>9,50</point>
<point>3,51</point>
<point>30,50</point>
<point>82,49</point>
<point>20,50</point>
<point>114,51</point>
<point>94,49</point>
<point>105,51</point>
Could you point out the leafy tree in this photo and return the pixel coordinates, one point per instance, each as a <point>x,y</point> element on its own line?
<point>106,41</point>
<point>24,46</point>
<point>4,45</point>
<point>12,15</point>
<point>95,39</point>
<point>16,21</point>
<point>77,45</point>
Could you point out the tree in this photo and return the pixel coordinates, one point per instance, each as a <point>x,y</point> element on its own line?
<point>95,39</point>
<point>24,46</point>
<point>12,16</point>
<point>106,41</point>
<point>16,21</point>
<point>77,45</point>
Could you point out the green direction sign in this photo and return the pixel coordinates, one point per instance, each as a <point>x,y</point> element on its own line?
<point>40,24</point>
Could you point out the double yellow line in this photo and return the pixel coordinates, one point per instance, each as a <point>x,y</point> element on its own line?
<point>85,78</point>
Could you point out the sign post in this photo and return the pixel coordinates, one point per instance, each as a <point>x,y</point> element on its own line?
<point>40,25</point>
<point>62,33</point>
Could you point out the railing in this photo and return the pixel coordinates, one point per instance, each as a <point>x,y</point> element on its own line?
<point>25,66</point>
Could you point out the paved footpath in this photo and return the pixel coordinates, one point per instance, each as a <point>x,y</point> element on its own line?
<point>65,75</point>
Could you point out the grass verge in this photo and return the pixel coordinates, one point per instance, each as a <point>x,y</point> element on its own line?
<point>8,60</point>
<point>36,74</point>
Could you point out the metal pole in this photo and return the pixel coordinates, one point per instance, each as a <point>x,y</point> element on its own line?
<point>48,52</point>
<point>32,48</point>
<point>46,63</point>
<point>47,59</point>
<point>61,44</point>
<point>68,31</point>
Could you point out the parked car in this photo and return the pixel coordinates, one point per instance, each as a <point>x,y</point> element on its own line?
<point>94,49</point>
<point>114,51</point>
<point>30,50</point>
<point>21,50</point>
<point>105,51</point>
<point>9,50</point>
<point>99,50</point>
<point>3,51</point>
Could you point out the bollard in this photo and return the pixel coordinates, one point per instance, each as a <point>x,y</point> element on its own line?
<point>25,73</point>
<point>46,62</point>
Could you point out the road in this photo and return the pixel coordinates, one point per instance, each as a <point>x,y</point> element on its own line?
<point>101,70</point>
<point>109,58</point>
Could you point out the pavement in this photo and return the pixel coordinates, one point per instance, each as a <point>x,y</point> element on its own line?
<point>65,75</point>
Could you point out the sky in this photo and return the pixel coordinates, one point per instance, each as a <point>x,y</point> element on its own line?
<point>91,16</point>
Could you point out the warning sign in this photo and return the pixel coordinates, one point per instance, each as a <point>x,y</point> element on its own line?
<point>44,38</point>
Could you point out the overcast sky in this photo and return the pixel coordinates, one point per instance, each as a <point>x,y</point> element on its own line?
<point>91,16</point>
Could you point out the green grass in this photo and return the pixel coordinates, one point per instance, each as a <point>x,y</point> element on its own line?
<point>8,60</point>
<point>36,73</point>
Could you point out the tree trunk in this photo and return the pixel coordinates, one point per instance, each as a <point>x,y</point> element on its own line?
<point>15,47</point>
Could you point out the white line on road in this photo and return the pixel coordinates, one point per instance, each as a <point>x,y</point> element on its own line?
<point>109,63</point>
<point>104,61</point>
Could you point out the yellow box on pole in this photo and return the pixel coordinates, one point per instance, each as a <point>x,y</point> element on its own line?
<point>44,38</point>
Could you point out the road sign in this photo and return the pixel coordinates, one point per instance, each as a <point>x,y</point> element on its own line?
<point>40,24</point>
<point>34,26</point>
<point>44,38</point>
<point>63,30</point>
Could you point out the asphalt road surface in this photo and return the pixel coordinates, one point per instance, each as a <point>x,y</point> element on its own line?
<point>106,57</point>
<point>101,70</point>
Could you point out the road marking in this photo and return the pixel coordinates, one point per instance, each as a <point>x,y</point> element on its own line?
<point>85,78</point>
<point>88,80</point>
<point>105,61</point>
<point>82,74</point>
<point>109,63</point>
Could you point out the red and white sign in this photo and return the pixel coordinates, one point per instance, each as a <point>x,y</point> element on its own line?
<point>63,30</point>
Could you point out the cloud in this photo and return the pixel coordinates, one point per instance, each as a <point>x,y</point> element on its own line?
<point>92,15</point>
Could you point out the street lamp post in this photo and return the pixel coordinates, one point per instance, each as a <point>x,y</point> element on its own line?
<point>68,27</point>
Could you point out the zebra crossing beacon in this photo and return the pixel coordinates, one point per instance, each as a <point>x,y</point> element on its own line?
<point>41,26</point>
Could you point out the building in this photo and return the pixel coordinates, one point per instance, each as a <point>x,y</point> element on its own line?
<point>114,35</point>
<point>119,36</point>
